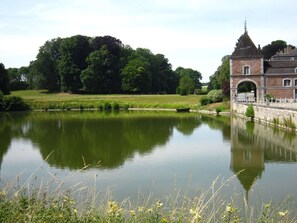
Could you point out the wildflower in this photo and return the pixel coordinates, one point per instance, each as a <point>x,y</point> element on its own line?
<point>140,209</point>
<point>283,213</point>
<point>75,210</point>
<point>2,193</point>
<point>267,206</point>
<point>132,213</point>
<point>229,208</point>
<point>164,220</point>
<point>159,204</point>
<point>195,214</point>
<point>150,210</point>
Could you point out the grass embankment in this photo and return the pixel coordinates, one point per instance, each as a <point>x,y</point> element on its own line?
<point>40,99</point>
<point>28,205</point>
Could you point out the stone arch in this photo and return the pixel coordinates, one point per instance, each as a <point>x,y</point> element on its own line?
<point>236,92</point>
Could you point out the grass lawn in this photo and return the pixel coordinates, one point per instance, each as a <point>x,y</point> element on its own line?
<point>40,99</point>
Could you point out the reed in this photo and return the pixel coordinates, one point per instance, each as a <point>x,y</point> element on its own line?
<point>24,203</point>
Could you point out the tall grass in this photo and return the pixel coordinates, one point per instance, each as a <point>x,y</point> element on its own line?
<point>25,203</point>
<point>43,100</point>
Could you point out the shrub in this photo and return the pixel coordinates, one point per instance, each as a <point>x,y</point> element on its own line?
<point>2,104</point>
<point>204,100</point>
<point>218,110</point>
<point>107,106</point>
<point>183,91</point>
<point>116,106</point>
<point>13,103</point>
<point>250,112</point>
<point>215,96</point>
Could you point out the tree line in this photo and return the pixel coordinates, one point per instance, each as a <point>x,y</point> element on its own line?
<point>101,65</point>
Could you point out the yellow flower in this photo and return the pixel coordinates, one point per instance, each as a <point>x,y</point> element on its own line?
<point>140,209</point>
<point>150,210</point>
<point>283,213</point>
<point>159,204</point>
<point>75,210</point>
<point>229,208</point>
<point>132,213</point>
<point>164,220</point>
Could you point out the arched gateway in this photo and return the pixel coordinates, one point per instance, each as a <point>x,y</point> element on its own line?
<point>246,65</point>
<point>276,76</point>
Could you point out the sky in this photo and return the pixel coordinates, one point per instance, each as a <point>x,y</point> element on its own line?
<point>190,33</point>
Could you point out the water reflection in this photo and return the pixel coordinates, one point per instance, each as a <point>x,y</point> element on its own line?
<point>253,145</point>
<point>112,139</point>
<point>75,139</point>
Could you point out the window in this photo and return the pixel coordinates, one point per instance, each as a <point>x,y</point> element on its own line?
<point>246,70</point>
<point>287,83</point>
<point>296,82</point>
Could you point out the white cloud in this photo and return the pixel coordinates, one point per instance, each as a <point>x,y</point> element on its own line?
<point>192,33</point>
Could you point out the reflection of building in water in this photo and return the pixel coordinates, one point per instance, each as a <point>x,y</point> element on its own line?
<point>252,145</point>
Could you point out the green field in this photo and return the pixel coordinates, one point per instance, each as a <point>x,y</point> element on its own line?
<point>40,99</point>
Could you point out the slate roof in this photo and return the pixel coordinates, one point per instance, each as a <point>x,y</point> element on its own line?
<point>245,48</point>
<point>280,67</point>
<point>285,56</point>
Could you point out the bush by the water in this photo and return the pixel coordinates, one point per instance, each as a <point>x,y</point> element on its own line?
<point>250,112</point>
<point>212,97</point>
<point>2,105</point>
<point>13,103</point>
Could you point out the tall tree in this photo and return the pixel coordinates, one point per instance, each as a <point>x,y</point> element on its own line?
<point>272,48</point>
<point>74,51</point>
<point>135,77</point>
<point>99,75</point>
<point>47,64</point>
<point>221,76</point>
<point>4,80</point>
<point>193,74</point>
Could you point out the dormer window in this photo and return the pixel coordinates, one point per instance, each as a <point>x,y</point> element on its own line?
<point>246,70</point>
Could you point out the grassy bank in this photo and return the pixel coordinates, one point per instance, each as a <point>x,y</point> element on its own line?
<point>39,205</point>
<point>40,99</point>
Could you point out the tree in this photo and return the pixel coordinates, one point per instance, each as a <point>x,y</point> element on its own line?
<point>47,64</point>
<point>221,76</point>
<point>74,51</point>
<point>193,74</point>
<point>272,48</point>
<point>99,75</point>
<point>187,84</point>
<point>135,77</point>
<point>4,80</point>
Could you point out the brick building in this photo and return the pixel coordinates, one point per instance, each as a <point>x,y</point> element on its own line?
<point>277,76</point>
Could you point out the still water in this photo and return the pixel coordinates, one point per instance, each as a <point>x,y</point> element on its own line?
<point>135,154</point>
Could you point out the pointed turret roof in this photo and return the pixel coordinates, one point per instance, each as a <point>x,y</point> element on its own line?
<point>245,48</point>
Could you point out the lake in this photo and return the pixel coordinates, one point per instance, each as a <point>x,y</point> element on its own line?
<point>136,154</point>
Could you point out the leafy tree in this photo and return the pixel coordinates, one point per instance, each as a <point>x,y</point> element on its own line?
<point>74,51</point>
<point>272,48</point>
<point>187,84</point>
<point>17,78</point>
<point>193,74</point>
<point>4,80</point>
<point>34,78</point>
<point>47,64</point>
<point>135,77</point>
<point>99,76</point>
<point>221,75</point>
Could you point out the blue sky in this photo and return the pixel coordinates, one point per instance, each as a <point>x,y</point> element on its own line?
<point>190,33</point>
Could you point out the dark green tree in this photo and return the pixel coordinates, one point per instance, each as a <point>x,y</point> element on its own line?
<point>4,80</point>
<point>99,75</point>
<point>74,51</point>
<point>221,77</point>
<point>272,48</point>
<point>135,77</point>
<point>193,74</point>
<point>187,84</point>
<point>47,64</point>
